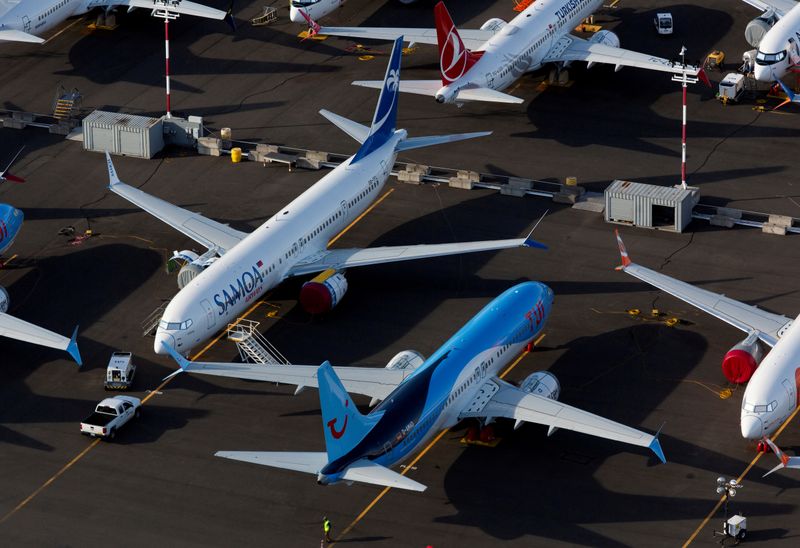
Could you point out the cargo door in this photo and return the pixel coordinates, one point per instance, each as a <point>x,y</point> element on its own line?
<point>130,144</point>
<point>103,139</point>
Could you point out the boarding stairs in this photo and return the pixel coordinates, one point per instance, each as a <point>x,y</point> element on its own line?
<point>252,345</point>
<point>268,15</point>
<point>65,103</point>
<point>150,323</point>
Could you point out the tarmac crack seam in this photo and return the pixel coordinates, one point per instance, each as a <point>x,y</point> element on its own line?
<point>739,480</point>
<point>422,453</point>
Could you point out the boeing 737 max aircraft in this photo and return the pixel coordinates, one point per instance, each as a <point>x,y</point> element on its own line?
<point>27,20</point>
<point>776,34</point>
<point>238,268</point>
<point>477,64</point>
<point>10,224</point>
<point>422,397</point>
<point>771,393</point>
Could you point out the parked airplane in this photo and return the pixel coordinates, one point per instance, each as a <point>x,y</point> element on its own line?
<point>422,397</point>
<point>313,8</point>
<point>786,460</point>
<point>219,285</point>
<point>11,327</point>
<point>476,65</point>
<point>26,21</point>
<point>771,394</point>
<point>776,34</point>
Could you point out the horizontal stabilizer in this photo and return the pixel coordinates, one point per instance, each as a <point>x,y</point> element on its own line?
<point>14,328</point>
<point>366,471</point>
<point>308,462</point>
<point>487,95</point>
<point>431,87</point>
<point>421,142</point>
<point>19,36</point>
<point>183,7</point>
<point>357,131</point>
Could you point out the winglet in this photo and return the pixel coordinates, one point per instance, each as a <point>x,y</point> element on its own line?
<point>790,96</point>
<point>533,243</point>
<point>783,457</point>
<point>183,363</point>
<point>626,261</point>
<point>655,446</point>
<point>313,26</point>
<point>72,348</point>
<point>112,173</point>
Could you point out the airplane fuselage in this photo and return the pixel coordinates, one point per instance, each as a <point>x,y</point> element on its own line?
<point>39,16</point>
<point>522,44</point>
<point>263,259</point>
<point>10,224</point>
<point>436,393</point>
<point>313,8</point>
<point>779,49</point>
<point>772,393</point>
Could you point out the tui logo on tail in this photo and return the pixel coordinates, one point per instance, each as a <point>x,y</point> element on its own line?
<point>337,434</point>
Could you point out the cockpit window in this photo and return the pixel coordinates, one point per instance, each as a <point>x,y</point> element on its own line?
<point>770,58</point>
<point>303,3</point>
<point>175,326</point>
<point>759,408</point>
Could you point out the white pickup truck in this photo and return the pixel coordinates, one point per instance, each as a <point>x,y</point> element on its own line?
<point>110,415</point>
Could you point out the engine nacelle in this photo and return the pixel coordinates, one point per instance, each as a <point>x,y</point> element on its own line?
<point>542,383</point>
<point>494,24</point>
<point>190,263</point>
<point>742,360</point>
<point>5,300</point>
<point>756,29</point>
<point>446,95</point>
<point>323,293</point>
<point>187,273</point>
<point>407,359</point>
<point>605,37</point>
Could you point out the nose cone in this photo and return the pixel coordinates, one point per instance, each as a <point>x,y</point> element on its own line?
<point>295,16</point>
<point>752,428</point>
<point>162,338</point>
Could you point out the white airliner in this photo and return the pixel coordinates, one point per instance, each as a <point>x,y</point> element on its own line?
<point>238,268</point>
<point>419,398</point>
<point>771,393</point>
<point>476,65</point>
<point>27,20</point>
<point>776,34</point>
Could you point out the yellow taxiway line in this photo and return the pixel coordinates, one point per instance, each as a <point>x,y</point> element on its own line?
<point>205,349</point>
<point>739,480</point>
<point>422,453</point>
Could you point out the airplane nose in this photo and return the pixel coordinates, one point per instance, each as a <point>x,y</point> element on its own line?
<point>295,16</point>
<point>752,429</point>
<point>162,337</point>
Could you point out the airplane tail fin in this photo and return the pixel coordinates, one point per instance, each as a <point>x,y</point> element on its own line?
<point>6,176</point>
<point>454,58</point>
<point>384,122</point>
<point>342,422</point>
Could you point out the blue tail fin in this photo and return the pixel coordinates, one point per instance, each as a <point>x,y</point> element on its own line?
<point>343,423</point>
<point>384,122</point>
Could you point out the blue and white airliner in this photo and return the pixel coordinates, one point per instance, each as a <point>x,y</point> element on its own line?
<point>10,224</point>
<point>238,268</point>
<point>420,397</point>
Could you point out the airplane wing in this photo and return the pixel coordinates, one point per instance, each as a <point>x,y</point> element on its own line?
<point>473,38</point>
<point>742,316</point>
<point>779,7</point>
<point>211,234</point>
<point>374,382</point>
<point>14,328</point>
<point>573,48</point>
<point>341,259</point>
<point>19,36</point>
<point>184,7</point>
<point>497,398</point>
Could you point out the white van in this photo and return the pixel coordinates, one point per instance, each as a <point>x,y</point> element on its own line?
<point>120,371</point>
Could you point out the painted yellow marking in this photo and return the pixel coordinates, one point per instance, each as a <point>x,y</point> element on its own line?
<point>739,479</point>
<point>51,480</point>
<point>14,256</point>
<point>65,29</point>
<point>433,442</point>
<point>370,208</point>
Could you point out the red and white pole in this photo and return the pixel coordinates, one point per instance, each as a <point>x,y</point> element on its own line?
<point>683,133</point>
<point>166,59</point>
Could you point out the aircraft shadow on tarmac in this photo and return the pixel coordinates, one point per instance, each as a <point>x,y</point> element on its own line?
<point>558,495</point>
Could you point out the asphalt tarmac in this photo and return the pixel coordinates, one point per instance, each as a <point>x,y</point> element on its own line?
<point>159,482</point>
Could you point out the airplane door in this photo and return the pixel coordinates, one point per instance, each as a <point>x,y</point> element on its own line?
<point>789,390</point>
<point>210,318</point>
<point>26,23</point>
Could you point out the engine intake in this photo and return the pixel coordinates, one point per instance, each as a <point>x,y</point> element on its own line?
<point>5,300</point>
<point>756,29</point>
<point>323,293</point>
<point>407,359</point>
<point>542,383</point>
<point>742,360</point>
<point>494,24</point>
<point>605,37</point>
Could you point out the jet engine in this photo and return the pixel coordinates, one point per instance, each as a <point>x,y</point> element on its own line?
<point>542,383</point>
<point>741,361</point>
<point>190,263</point>
<point>5,300</point>
<point>407,359</point>
<point>605,37</point>
<point>494,24</point>
<point>323,293</point>
<point>446,95</point>
<point>756,29</point>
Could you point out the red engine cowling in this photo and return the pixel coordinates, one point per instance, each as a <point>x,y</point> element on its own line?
<point>323,293</point>
<point>742,360</point>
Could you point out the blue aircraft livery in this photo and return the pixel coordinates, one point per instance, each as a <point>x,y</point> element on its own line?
<point>244,287</point>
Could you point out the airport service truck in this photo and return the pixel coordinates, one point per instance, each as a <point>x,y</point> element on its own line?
<point>110,415</point>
